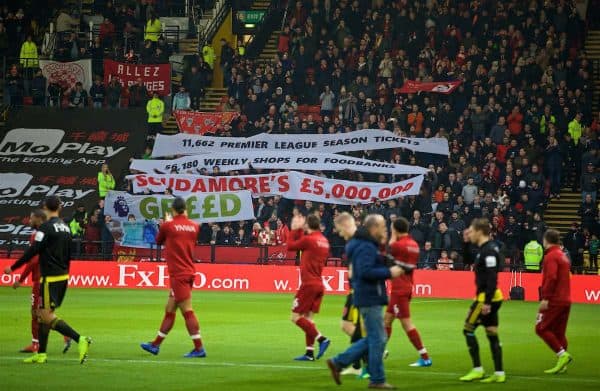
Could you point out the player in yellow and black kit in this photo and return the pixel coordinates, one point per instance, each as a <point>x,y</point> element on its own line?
<point>52,242</point>
<point>484,311</point>
<point>352,323</point>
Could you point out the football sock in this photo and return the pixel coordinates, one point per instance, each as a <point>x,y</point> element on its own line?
<point>496,348</point>
<point>309,330</point>
<point>62,327</point>
<point>550,339</point>
<point>35,328</point>
<point>321,338</point>
<point>310,351</point>
<point>561,352</point>
<point>415,339</point>
<point>388,331</point>
<point>473,348</point>
<point>193,328</point>
<point>165,327</point>
<point>44,331</point>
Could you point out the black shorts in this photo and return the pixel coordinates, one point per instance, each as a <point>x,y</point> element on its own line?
<point>475,318</point>
<point>52,291</point>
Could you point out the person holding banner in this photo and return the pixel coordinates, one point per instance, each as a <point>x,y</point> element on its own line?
<point>179,236</point>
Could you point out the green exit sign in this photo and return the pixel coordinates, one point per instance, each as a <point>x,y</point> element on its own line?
<point>250,17</point>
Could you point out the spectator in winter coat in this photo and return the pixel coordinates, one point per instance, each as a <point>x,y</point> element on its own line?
<point>574,242</point>
<point>78,97</point>
<point>181,100</point>
<point>553,162</point>
<point>113,93</point>
<point>97,93</point>
<point>138,94</point>
<point>590,182</point>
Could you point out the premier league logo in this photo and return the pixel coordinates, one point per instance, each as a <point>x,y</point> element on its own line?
<point>120,206</point>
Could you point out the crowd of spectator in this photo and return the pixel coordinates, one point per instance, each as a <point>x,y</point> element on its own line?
<point>520,126</point>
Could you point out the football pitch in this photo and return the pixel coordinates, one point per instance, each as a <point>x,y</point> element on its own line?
<point>251,342</point>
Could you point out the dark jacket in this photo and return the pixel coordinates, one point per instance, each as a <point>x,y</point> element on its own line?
<point>369,271</point>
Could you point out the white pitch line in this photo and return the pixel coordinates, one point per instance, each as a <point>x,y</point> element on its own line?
<point>203,363</point>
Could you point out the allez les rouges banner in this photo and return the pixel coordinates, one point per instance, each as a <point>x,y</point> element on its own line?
<point>286,279</point>
<point>270,160</point>
<point>199,122</point>
<point>359,140</point>
<point>60,152</point>
<point>156,77</point>
<point>293,185</point>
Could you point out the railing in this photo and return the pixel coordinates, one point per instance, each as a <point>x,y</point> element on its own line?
<point>271,19</point>
<point>246,254</point>
<point>208,32</point>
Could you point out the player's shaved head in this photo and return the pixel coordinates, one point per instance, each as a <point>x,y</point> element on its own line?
<point>52,203</point>
<point>481,225</point>
<point>345,225</point>
<point>375,225</point>
<point>178,205</point>
<point>313,222</point>
<point>552,237</point>
<point>37,218</point>
<point>401,225</point>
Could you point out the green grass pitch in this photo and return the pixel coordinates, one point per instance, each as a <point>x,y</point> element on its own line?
<point>250,344</point>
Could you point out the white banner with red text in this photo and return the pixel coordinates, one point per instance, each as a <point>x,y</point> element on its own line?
<point>286,279</point>
<point>270,160</point>
<point>292,185</point>
<point>67,74</point>
<point>440,87</point>
<point>156,77</point>
<point>200,122</point>
<point>360,140</point>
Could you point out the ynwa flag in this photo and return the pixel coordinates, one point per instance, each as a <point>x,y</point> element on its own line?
<point>197,122</point>
<point>440,87</point>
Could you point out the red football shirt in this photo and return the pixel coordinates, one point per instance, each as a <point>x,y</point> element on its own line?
<point>33,268</point>
<point>179,237</point>
<point>556,278</point>
<point>315,251</point>
<point>406,250</point>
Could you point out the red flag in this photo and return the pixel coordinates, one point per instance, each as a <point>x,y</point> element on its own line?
<point>440,87</point>
<point>197,122</point>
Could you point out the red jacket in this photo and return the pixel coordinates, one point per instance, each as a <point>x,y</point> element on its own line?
<point>179,237</point>
<point>405,249</point>
<point>315,251</point>
<point>556,279</point>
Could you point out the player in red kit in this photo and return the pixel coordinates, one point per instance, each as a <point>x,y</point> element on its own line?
<point>315,251</point>
<point>555,306</point>
<point>404,249</point>
<point>179,236</point>
<point>32,268</point>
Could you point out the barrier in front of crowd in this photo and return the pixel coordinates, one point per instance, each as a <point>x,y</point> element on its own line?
<point>286,279</point>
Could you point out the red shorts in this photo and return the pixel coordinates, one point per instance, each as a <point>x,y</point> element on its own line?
<point>555,318</point>
<point>35,296</point>
<point>399,306</point>
<point>308,299</point>
<point>181,288</point>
